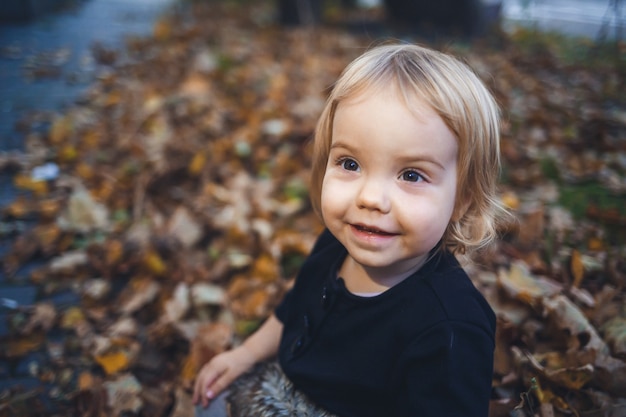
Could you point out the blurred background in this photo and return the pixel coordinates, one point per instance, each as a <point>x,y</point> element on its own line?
<point>153,188</point>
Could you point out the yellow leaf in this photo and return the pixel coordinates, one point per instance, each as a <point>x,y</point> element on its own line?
<point>72,318</point>
<point>154,263</point>
<point>28,183</point>
<point>510,200</point>
<point>197,163</point>
<point>113,362</point>
<point>68,153</point>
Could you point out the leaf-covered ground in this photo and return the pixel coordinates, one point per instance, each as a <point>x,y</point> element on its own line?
<point>180,214</point>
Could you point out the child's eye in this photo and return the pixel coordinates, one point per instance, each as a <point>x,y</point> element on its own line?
<point>349,165</point>
<point>412,176</point>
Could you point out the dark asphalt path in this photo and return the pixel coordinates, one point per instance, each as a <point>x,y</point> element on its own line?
<point>45,65</point>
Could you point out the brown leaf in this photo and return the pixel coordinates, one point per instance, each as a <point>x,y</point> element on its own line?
<point>577,268</point>
<point>42,317</point>
<point>20,346</point>
<point>520,284</point>
<point>124,395</point>
<point>614,332</point>
<point>184,228</point>
<point>140,291</point>
<point>183,405</point>
<point>211,339</point>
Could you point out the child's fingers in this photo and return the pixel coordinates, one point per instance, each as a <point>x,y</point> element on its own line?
<point>220,384</point>
<point>205,379</point>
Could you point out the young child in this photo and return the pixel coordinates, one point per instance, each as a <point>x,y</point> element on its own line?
<point>382,320</point>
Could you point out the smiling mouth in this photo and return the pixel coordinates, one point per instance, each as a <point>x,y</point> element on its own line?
<point>371,230</point>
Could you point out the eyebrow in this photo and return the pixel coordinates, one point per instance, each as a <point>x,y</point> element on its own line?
<point>405,159</point>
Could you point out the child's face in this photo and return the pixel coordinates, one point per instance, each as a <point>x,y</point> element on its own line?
<point>389,189</point>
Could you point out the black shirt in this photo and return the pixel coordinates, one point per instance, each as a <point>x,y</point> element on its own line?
<point>422,348</point>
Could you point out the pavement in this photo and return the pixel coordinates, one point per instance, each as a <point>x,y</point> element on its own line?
<point>60,41</point>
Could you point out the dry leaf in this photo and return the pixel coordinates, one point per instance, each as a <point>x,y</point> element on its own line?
<point>211,339</point>
<point>577,267</point>
<point>184,227</point>
<point>183,407</point>
<point>204,294</point>
<point>83,213</point>
<point>113,362</point>
<point>68,261</point>
<point>141,291</point>
<point>20,346</point>
<point>154,263</point>
<point>520,284</point>
<point>566,316</point>
<point>614,332</point>
<point>123,394</point>
<point>43,317</point>
<point>177,306</point>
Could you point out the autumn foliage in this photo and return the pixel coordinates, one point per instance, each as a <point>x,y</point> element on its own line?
<point>180,215</point>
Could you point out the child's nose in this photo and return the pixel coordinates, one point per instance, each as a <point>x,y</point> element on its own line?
<point>374,195</point>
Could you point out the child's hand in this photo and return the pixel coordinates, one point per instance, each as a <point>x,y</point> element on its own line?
<point>219,372</point>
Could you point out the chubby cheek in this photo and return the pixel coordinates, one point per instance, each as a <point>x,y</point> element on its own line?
<point>332,200</point>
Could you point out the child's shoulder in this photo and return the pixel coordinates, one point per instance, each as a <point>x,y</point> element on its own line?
<point>456,294</point>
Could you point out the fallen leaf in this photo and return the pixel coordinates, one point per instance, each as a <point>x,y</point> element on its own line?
<point>43,317</point>
<point>204,294</point>
<point>19,346</point>
<point>141,291</point>
<point>183,227</point>
<point>577,267</point>
<point>123,395</point>
<point>178,305</point>
<point>520,284</point>
<point>113,362</point>
<point>183,406</point>
<point>614,332</point>
<point>83,213</point>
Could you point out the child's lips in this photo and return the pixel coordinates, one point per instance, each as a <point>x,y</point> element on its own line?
<point>371,230</point>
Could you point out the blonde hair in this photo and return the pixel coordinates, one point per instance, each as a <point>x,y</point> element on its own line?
<point>465,105</point>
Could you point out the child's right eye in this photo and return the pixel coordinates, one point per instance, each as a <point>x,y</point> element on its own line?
<point>349,165</point>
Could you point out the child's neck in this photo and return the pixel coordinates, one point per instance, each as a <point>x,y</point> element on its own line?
<point>362,279</point>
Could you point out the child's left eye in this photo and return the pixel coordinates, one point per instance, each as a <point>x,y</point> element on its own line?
<point>412,176</point>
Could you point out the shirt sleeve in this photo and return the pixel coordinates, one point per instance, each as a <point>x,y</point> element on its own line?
<point>449,371</point>
<point>282,310</point>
